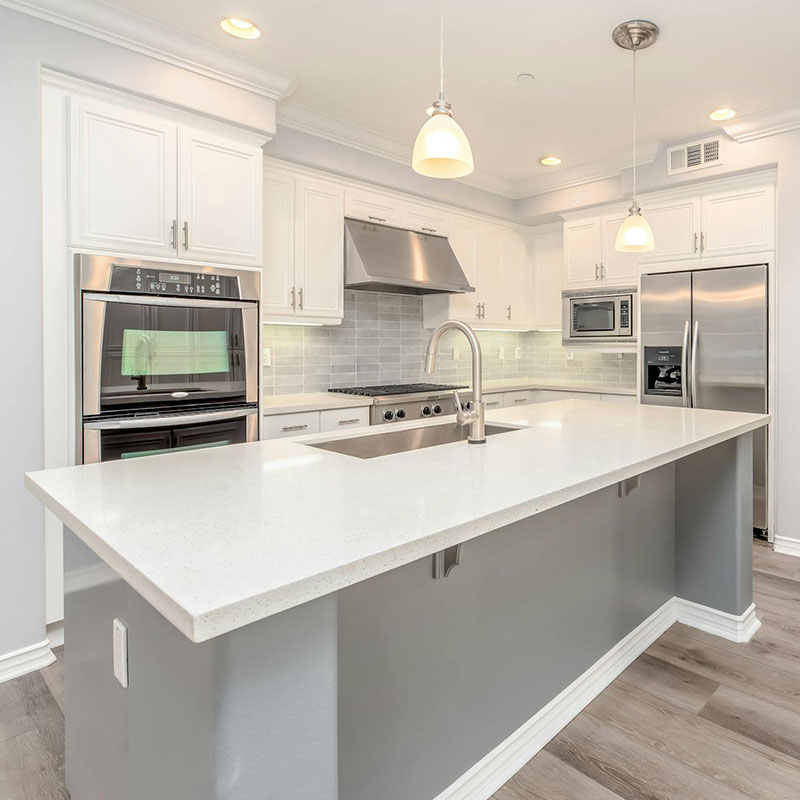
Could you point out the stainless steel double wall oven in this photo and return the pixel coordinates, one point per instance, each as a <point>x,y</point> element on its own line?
<point>168,357</point>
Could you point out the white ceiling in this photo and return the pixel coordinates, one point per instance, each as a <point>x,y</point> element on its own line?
<point>373,64</point>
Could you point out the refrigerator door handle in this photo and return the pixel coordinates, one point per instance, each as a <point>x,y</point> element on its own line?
<point>695,340</point>
<point>685,366</point>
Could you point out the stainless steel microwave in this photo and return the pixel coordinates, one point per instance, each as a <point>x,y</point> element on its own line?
<point>599,317</point>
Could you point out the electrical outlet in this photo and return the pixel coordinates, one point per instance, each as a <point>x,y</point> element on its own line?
<point>501,353</point>
<point>456,354</point>
<point>518,352</point>
<point>570,356</point>
<point>266,357</point>
<point>620,356</point>
<point>120,651</point>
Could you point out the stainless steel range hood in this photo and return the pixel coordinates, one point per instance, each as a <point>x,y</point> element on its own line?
<point>380,258</point>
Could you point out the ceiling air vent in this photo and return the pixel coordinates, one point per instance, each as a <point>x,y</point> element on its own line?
<point>695,155</point>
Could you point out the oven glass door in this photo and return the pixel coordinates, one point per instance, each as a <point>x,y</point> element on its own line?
<point>594,317</point>
<point>130,441</point>
<point>166,354</point>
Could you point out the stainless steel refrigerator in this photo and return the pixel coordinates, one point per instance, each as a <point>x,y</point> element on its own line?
<point>704,345</point>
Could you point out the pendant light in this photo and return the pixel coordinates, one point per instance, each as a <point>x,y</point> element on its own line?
<point>635,234</point>
<point>442,149</point>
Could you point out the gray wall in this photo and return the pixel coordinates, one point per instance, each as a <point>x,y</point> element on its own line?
<point>381,340</point>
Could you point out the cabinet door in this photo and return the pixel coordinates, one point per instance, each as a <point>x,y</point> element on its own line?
<point>676,230</point>
<point>582,253</point>
<point>278,276</point>
<point>284,426</point>
<point>340,419</point>
<point>494,401</point>
<point>523,398</point>
<point>373,207</point>
<point>548,267</point>
<point>516,305</point>
<point>617,269</point>
<point>425,219</point>
<point>464,241</point>
<point>319,249</point>
<point>739,222</point>
<point>123,180</point>
<point>220,199</point>
<point>490,273</point>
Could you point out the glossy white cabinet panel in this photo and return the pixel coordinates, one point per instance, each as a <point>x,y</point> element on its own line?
<point>122,179</point>
<point>494,400</point>
<point>464,241</point>
<point>341,419</point>
<point>676,229</point>
<point>282,426</point>
<point>511,399</point>
<point>548,270</point>
<point>278,277</point>
<point>490,274</point>
<point>583,253</point>
<point>373,206</point>
<point>516,306</point>
<point>220,199</point>
<point>740,221</point>
<point>319,249</point>
<point>425,219</point>
<point>616,269</point>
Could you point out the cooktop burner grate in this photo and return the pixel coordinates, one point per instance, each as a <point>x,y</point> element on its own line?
<point>396,389</point>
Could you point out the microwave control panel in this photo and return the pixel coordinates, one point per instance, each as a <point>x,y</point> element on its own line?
<point>173,283</point>
<point>624,315</point>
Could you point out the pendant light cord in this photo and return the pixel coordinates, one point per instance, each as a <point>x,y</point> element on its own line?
<point>441,51</point>
<point>635,202</point>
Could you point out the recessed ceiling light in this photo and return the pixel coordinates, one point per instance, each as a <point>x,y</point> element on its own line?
<point>241,28</point>
<point>550,161</point>
<point>525,77</point>
<point>721,114</point>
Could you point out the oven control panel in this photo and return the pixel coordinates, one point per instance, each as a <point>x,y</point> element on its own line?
<point>174,283</point>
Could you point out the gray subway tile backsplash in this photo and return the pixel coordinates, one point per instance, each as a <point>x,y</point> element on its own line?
<point>381,340</point>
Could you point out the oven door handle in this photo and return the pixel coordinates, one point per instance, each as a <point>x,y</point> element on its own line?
<point>147,300</point>
<point>167,420</point>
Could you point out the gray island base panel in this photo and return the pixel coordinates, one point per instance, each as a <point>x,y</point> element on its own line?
<point>394,687</point>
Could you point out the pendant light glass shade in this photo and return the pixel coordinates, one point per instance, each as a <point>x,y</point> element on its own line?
<point>441,149</point>
<point>635,234</point>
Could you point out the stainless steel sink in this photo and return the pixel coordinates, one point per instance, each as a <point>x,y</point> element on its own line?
<point>384,444</point>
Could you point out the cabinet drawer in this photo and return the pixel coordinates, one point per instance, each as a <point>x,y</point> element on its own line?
<point>494,401</point>
<point>425,219</point>
<point>373,207</point>
<point>512,399</point>
<point>282,426</point>
<point>338,419</point>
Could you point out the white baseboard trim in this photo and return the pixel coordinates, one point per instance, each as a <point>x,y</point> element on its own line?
<point>787,546</point>
<point>28,659</point>
<point>55,633</point>
<point>492,771</point>
<point>729,626</point>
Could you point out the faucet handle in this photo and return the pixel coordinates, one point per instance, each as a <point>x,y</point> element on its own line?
<point>457,401</point>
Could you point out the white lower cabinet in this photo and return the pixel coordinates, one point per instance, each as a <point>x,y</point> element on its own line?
<point>548,395</point>
<point>340,419</point>
<point>511,399</point>
<point>494,401</point>
<point>624,399</point>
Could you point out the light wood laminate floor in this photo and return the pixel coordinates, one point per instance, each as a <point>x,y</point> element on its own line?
<point>694,718</point>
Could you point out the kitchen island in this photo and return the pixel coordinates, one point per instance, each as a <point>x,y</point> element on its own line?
<point>287,636</point>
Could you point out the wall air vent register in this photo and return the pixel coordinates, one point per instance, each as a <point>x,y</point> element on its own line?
<point>694,156</point>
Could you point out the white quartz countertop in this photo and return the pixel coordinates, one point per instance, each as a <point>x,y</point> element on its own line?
<point>231,535</point>
<point>310,401</point>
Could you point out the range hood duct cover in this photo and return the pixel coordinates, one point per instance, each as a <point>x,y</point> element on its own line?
<point>380,258</point>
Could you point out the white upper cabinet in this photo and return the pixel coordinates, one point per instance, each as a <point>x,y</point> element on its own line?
<point>740,221</point>
<point>490,273</point>
<point>220,198</point>
<point>319,249</point>
<point>616,269</point>
<point>676,229</point>
<point>464,241</point>
<point>142,185</point>
<point>425,219</point>
<point>515,307</point>
<point>583,252</point>
<point>374,207</point>
<point>547,255</point>
<point>278,282</point>
<point>123,189</point>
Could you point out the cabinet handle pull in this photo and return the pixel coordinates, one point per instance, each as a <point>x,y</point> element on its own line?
<point>491,403</point>
<point>695,243</point>
<point>597,272</point>
<point>602,270</point>
<point>520,399</point>
<point>478,311</point>
<point>483,310</point>
<point>186,235</point>
<point>300,299</point>
<point>293,298</point>
<point>174,240</point>
<point>702,241</point>
<point>288,428</point>
<point>349,421</point>
<point>429,230</point>
<point>509,312</point>
<point>377,219</point>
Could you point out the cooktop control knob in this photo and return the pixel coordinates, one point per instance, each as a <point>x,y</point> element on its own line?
<point>388,415</point>
<point>426,411</point>
<point>437,409</point>
<point>400,414</point>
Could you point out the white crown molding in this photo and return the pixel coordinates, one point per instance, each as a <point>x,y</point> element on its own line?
<point>168,45</point>
<point>28,659</point>
<point>762,124</point>
<point>314,123</point>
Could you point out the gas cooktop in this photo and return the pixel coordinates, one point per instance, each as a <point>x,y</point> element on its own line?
<point>393,389</point>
